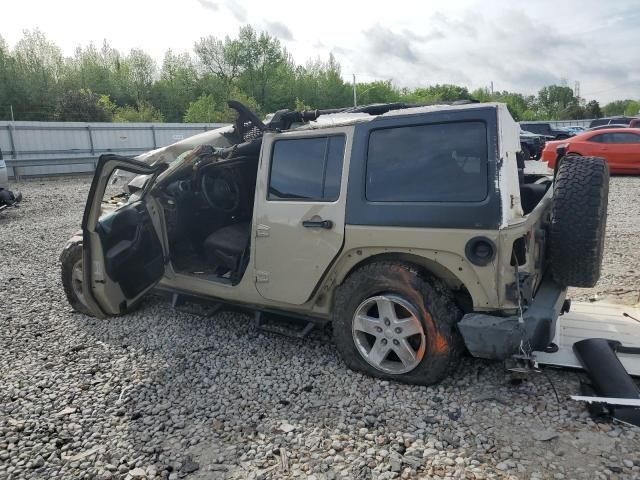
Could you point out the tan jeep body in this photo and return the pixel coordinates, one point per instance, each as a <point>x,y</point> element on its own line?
<point>297,270</point>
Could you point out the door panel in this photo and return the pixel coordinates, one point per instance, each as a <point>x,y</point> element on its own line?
<point>297,239</point>
<point>122,255</point>
<point>133,254</point>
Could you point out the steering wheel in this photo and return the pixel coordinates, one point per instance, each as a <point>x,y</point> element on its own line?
<point>221,190</point>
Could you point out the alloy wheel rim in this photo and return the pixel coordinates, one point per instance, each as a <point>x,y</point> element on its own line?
<point>388,334</point>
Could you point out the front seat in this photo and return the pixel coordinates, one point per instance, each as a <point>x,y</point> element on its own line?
<point>225,246</point>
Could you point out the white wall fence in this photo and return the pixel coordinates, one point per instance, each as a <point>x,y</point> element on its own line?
<point>62,148</point>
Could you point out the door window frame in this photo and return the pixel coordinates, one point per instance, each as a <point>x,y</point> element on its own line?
<point>325,135</point>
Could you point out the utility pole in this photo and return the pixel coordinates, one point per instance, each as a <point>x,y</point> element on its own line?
<point>576,90</point>
<point>11,107</point>
<point>492,88</point>
<point>355,98</point>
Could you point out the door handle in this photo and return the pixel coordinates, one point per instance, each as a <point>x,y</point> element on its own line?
<point>326,224</point>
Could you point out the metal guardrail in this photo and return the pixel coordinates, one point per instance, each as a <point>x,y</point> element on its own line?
<point>59,148</point>
<point>17,165</point>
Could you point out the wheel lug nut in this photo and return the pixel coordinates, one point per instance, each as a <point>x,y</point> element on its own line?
<point>384,341</point>
<point>398,330</point>
<point>396,342</point>
<point>387,322</point>
<point>379,329</point>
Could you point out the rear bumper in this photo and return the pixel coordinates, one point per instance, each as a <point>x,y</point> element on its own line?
<point>494,337</point>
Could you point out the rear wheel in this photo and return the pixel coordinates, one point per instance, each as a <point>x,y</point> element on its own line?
<point>578,220</point>
<point>392,323</point>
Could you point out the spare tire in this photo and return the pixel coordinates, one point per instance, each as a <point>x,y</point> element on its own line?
<point>578,220</point>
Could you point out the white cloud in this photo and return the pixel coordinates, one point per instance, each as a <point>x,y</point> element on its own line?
<point>519,46</point>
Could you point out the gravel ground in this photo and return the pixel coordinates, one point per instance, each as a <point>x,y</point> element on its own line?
<point>164,394</point>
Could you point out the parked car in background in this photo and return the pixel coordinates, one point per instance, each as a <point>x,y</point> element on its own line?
<point>605,127</point>
<point>576,129</point>
<point>531,145</point>
<point>620,147</point>
<point>619,120</point>
<point>7,197</point>
<point>546,128</point>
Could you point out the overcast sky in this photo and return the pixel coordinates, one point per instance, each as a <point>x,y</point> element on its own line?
<point>519,46</point>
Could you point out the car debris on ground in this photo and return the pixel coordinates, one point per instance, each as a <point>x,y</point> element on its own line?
<point>7,197</point>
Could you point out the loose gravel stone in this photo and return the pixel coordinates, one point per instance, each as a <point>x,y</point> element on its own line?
<point>159,393</point>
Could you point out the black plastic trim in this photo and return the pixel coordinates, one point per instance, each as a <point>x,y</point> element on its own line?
<point>476,260</point>
<point>490,336</point>
<point>607,374</point>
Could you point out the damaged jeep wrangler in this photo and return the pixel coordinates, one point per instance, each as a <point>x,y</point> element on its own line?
<point>413,229</point>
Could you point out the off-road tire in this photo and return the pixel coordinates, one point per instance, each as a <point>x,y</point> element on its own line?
<point>432,299</point>
<point>69,258</point>
<point>578,220</point>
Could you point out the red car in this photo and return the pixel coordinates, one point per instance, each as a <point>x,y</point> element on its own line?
<point>620,147</point>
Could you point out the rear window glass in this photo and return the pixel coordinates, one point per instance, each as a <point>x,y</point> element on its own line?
<point>428,163</point>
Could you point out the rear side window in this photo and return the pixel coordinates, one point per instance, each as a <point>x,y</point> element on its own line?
<point>602,138</point>
<point>444,162</point>
<point>307,169</point>
<point>597,123</point>
<point>624,138</point>
<point>616,138</point>
<point>539,128</point>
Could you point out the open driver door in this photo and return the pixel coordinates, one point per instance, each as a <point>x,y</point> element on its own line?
<point>123,257</point>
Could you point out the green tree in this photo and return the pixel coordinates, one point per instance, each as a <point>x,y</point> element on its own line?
<point>141,112</point>
<point>617,107</point>
<point>381,91</point>
<point>6,81</point>
<point>252,67</point>
<point>202,110</point>
<point>632,109</point>
<point>264,66</point>
<point>82,106</point>
<point>592,109</point>
<point>209,109</point>
<point>556,102</point>
<point>37,70</point>
<point>320,84</point>
<point>177,86</point>
<point>221,58</point>
<point>439,93</point>
<point>141,69</point>
<point>520,106</point>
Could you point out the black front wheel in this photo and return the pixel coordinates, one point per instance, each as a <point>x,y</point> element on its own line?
<point>72,277</point>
